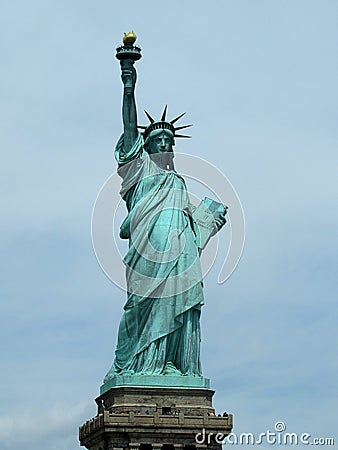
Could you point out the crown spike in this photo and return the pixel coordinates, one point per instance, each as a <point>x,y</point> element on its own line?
<point>183,126</point>
<point>176,118</point>
<point>149,117</point>
<point>142,127</point>
<point>164,113</point>
<point>181,136</point>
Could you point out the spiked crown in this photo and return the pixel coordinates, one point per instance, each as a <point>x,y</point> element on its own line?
<point>163,125</point>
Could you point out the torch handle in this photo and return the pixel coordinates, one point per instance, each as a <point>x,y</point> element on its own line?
<point>128,73</point>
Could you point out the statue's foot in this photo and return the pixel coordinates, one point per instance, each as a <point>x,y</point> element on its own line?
<point>171,369</point>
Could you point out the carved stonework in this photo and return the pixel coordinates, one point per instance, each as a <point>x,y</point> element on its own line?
<point>139,419</point>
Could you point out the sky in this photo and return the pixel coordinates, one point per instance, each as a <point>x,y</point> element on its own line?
<point>258,79</point>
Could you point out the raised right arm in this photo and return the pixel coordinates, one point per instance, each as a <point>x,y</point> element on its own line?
<point>129,113</point>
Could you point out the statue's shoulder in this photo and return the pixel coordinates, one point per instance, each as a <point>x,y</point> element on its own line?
<point>124,155</point>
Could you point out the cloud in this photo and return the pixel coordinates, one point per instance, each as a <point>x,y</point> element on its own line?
<point>48,426</point>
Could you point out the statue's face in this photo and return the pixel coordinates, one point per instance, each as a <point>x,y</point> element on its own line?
<point>161,143</point>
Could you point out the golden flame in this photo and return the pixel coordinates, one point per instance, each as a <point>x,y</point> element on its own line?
<point>129,38</point>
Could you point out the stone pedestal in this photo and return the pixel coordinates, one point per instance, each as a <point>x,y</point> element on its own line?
<point>135,418</point>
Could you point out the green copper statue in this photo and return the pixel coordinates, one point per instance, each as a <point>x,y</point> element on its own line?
<point>159,333</point>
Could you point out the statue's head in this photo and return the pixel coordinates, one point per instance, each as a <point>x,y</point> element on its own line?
<point>159,145</point>
<point>159,136</point>
<point>159,141</point>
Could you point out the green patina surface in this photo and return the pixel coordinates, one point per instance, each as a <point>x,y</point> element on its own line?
<point>162,381</point>
<point>159,333</point>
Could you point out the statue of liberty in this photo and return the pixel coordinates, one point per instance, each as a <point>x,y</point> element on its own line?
<point>159,333</point>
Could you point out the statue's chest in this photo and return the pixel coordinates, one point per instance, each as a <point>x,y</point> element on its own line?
<point>153,184</point>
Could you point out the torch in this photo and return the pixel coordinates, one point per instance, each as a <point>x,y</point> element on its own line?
<point>128,53</point>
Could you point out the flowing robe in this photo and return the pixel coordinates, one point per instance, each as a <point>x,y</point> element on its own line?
<point>159,332</point>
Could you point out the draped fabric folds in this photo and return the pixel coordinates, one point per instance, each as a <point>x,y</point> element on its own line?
<point>159,332</point>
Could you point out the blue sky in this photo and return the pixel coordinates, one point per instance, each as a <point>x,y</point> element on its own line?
<point>258,79</point>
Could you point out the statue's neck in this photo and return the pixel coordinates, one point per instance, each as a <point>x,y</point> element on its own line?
<point>164,160</point>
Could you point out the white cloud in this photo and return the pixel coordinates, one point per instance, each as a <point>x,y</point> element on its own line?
<point>48,426</point>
